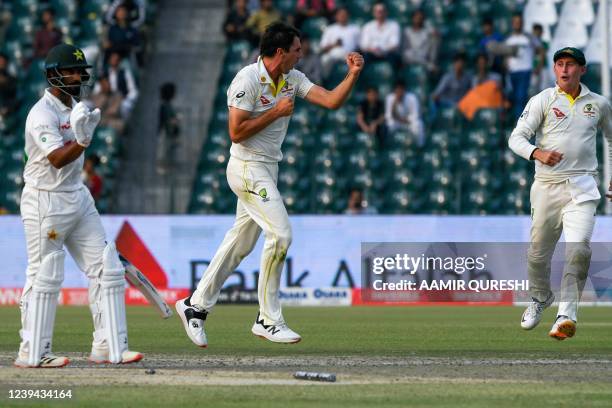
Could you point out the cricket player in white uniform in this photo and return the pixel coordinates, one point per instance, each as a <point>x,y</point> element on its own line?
<point>260,101</point>
<point>57,210</point>
<point>564,194</point>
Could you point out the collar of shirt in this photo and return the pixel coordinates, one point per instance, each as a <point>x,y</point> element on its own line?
<point>59,105</point>
<point>264,77</point>
<point>584,91</point>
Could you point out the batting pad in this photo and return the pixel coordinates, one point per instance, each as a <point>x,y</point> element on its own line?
<point>113,303</point>
<point>41,318</point>
<point>42,304</point>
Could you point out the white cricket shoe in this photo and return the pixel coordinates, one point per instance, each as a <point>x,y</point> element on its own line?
<point>100,356</point>
<point>47,361</point>
<point>280,333</point>
<point>563,328</point>
<point>533,314</point>
<point>193,321</point>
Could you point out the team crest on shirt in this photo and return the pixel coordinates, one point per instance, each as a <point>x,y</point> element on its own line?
<point>589,110</point>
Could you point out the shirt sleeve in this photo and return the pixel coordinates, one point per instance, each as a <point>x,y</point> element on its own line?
<point>44,128</point>
<point>394,36</point>
<point>529,122</point>
<point>242,94</point>
<point>303,84</point>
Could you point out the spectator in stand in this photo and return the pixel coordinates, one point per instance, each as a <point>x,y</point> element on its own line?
<point>8,89</point>
<point>452,86</point>
<point>540,79</point>
<point>235,27</point>
<point>169,129</point>
<point>91,178</point>
<point>122,38</point>
<point>306,9</point>
<point>371,116</point>
<point>520,65</point>
<point>259,20</point>
<point>421,43</point>
<point>122,80</point>
<point>109,102</point>
<point>490,35</point>
<point>310,63</point>
<point>136,12</point>
<point>338,40</point>
<point>357,205</point>
<point>48,36</point>
<point>380,38</point>
<point>403,112</point>
<point>484,74</point>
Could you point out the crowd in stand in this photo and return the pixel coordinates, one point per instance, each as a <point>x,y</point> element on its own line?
<point>117,57</point>
<point>515,63</point>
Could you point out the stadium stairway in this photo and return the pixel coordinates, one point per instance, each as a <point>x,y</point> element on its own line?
<point>188,49</point>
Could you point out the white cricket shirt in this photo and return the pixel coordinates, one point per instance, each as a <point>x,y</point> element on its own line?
<point>566,125</point>
<point>47,128</point>
<point>252,90</point>
<point>523,60</point>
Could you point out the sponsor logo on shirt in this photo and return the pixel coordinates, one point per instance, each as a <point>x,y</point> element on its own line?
<point>240,94</point>
<point>286,88</point>
<point>65,126</point>
<point>558,113</point>
<point>264,100</point>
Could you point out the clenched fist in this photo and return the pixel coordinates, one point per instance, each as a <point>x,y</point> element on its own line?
<point>355,62</point>
<point>284,107</point>
<point>547,157</point>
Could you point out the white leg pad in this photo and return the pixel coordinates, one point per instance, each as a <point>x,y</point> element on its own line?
<point>40,315</point>
<point>113,303</point>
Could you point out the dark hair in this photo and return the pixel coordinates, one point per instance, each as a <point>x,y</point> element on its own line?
<point>487,20</point>
<point>49,10</point>
<point>95,160</point>
<point>518,14</point>
<point>417,11</point>
<point>400,82</point>
<point>167,91</point>
<point>537,26</point>
<point>460,56</point>
<point>277,35</point>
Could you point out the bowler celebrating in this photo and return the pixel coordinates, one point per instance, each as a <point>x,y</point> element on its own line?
<point>564,194</point>
<point>260,101</point>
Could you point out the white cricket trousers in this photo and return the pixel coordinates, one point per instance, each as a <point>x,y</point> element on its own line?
<point>52,220</point>
<point>260,207</point>
<point>553,210</point>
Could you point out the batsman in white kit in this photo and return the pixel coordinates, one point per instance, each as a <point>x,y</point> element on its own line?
<point>564,194</point>
<point>260,101</point>
<point>57,210</point>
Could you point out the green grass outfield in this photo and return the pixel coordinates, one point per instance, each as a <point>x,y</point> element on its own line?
<point>460,356</point>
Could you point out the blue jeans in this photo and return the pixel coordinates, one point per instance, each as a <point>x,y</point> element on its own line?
<point>520,91</point>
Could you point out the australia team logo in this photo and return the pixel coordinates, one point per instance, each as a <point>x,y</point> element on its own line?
<point>588,110</point>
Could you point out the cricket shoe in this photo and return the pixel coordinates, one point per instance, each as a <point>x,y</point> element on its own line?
<point>100,356</point>
<point>193,321</point>
<point>47,361</point>
<point>278,333</point>
<point>533,314</point>
<point>563,328</point>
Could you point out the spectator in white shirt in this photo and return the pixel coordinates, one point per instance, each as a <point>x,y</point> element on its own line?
<point>520,64</point>
<point>380,38</point>
<point>122,80</point>
<point>420,43</point>
<point>338,40</point>
<point>403,112</point>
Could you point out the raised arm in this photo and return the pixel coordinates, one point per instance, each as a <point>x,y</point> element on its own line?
<point>335,98</point>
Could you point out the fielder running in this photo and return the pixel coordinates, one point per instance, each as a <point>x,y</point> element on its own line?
<point>57,209</point>
<point>260,101</point>
<point>564,194</point>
